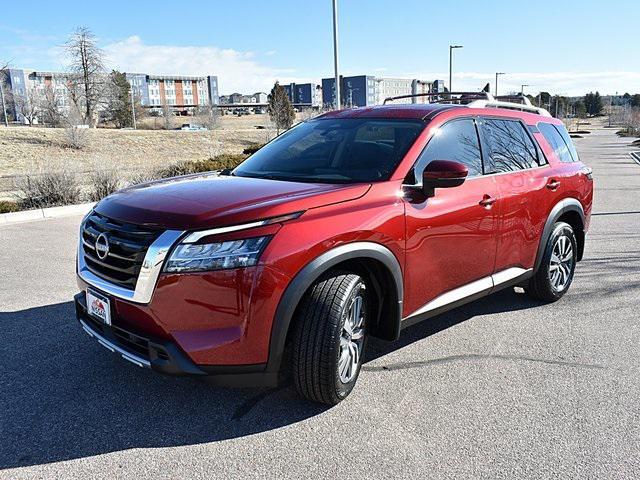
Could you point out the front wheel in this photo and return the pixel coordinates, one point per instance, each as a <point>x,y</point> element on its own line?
<point>329,338</point>
<point>555,274</point>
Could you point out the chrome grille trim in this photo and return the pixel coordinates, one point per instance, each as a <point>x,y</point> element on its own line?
<point>147,277</point>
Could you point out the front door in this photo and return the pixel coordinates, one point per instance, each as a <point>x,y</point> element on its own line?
<point>451,237</point>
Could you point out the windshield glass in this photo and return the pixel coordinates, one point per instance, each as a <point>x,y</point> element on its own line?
<point>346,150</point>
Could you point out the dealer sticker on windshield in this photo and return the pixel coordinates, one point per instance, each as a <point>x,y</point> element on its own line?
<point>98,307</point>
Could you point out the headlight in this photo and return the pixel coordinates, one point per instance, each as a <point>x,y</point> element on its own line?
<point>188,257</point>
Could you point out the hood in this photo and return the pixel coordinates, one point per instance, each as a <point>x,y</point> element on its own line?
<point>208,200</point>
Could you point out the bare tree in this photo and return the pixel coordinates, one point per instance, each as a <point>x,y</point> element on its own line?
<point>86,81</point>
<point>208,116</point>
<point>3,78</point>
<point>50,107</point>
<point>28,104</point>
<point>167,113</point>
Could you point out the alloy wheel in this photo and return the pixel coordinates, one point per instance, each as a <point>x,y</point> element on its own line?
<point>561,263</point>
<point>352,337</point>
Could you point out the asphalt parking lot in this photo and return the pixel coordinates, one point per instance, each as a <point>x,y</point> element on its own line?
<point>501,388</point>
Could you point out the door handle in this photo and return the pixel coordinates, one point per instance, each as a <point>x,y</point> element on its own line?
<point>487,201</point>
<point>553,184</point>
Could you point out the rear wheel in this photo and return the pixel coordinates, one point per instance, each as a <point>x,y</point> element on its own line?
<point>329,338</point>
<point>555,274</point>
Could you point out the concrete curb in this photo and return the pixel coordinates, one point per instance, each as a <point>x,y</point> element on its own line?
<point>44,213</point>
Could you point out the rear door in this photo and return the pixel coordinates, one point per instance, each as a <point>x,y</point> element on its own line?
<point>526,192</point>
<point>451,237</point>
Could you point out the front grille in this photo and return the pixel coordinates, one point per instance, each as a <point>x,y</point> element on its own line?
<point>128,244</point>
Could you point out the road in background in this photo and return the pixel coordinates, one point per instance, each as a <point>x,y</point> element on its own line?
<point>501,388</point>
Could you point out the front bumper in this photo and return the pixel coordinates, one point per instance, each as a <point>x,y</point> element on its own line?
<point>166,357</point>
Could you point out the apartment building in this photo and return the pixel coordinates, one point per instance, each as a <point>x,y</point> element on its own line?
<point>181,93</point>
<point>363,90</point>
<point>303,94</point>
<point>22,86</point>
<point>178,92</point>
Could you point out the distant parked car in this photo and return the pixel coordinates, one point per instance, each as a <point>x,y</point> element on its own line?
<point>192,127</point>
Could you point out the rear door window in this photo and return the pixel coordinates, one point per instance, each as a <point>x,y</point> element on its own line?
<point>508,145</point>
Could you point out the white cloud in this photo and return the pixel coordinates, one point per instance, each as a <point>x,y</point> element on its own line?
<point>562,83</point>
<point>249,72</point>
<point>236,71</point>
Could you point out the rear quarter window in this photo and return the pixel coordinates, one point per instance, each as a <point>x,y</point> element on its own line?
<point>563,148</point>
<point>562,130</point>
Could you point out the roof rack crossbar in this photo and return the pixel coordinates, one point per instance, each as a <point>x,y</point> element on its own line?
<point>462,96</point>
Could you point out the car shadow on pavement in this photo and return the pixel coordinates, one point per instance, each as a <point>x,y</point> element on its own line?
<point>504,301</point>
<point>65,397</point>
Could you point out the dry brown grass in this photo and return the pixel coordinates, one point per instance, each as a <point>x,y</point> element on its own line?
<point>128,150</point>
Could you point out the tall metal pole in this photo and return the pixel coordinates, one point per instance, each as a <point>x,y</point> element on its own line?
<point>496,91</point>
<point>133,107</point>
<point>4,107</point>
<point>335,53</point>
<point>450,68</point>
<point>451,47</point>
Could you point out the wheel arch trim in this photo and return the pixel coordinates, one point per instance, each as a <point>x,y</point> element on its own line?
<point>563,206</point>
<point>310,273</point>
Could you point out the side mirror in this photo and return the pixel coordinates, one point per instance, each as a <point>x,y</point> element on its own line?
<point>442,174</point>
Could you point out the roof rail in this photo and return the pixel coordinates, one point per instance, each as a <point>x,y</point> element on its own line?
<point>516,98</point>
<point>446,97</point>
<point>479,100</point>
<point>523,107</point>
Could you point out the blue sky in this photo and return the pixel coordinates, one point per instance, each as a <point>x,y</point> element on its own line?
<point>560,46</point>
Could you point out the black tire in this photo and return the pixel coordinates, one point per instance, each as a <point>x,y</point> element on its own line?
<point>318,337</point>
<point>542,286</point>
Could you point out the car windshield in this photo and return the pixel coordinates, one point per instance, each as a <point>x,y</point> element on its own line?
<point>346,150</point>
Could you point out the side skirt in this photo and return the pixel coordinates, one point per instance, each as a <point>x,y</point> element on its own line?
<point>468,293</point>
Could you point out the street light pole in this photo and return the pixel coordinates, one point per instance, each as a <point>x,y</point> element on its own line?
<point>335,53</point>
<point>496,90</point>
<point>4,107</point>
<point>522,88</point>
<point>133,107</point>
<point>451,47</point>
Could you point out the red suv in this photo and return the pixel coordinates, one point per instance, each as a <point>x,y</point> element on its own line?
<point>354,224</point>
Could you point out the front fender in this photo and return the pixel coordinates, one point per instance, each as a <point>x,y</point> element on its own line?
<point>311,272</point>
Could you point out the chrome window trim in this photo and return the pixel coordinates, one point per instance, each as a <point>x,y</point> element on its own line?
<point>149,272</point>
<point>478,286</point>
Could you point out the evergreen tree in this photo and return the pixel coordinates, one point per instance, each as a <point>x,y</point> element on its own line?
<point>119,100</point>
<point>596,106</point>
<point>593,103</point>
<point>280,109</point>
